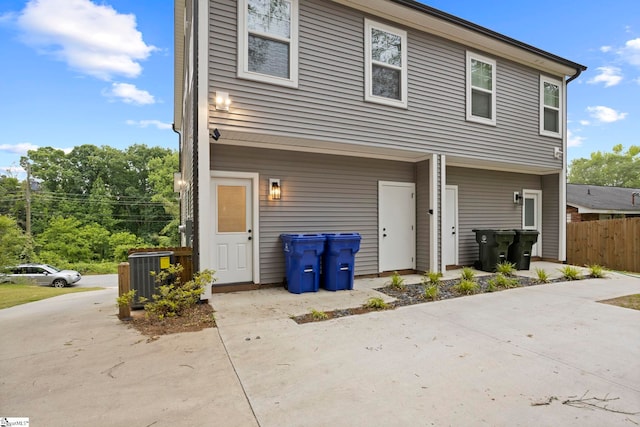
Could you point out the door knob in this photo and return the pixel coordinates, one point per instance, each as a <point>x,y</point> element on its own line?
<point>249,237</point>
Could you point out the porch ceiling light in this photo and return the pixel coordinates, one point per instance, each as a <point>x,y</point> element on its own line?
<point>222,101</point>
<point>274,188</point>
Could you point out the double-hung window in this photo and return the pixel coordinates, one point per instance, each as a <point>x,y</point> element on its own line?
<point>268,41</point>
<point>385,64</point>
<point>481,89</point>
<point>550,107</point>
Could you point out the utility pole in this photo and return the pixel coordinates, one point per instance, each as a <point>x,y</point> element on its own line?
<point>28,196</point>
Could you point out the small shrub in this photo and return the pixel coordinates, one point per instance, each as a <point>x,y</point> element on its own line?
<point>570,272</point>
<point>431,292</point>
<point>468,274</point>
<point>502,281</point>
<point>491,286</point>
<point>543,276</point>
<point>431,278</point>
<point>125,299</point>
<point>172,298</point>
<point>597,271</point>
<point>506,268</point>
<point>376,303</point>
<point>397,282</point>
<point>319,315</point>
<point>467,287</point>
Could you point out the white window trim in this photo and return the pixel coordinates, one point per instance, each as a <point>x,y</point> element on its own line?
<point>543,131</point>
<point>471,117</point>
<point>243,49</point>
<point>368,90</point>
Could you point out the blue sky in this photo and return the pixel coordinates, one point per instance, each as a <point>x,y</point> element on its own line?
<point>81,72</point>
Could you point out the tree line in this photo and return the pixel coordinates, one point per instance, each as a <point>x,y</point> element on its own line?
<point>89,205</point>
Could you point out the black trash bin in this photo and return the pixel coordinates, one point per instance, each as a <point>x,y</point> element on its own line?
<point>493,247</point>
<point>302,261</point>
<point>338,260</point>
<point>520,249</point>
<point>141,264</point>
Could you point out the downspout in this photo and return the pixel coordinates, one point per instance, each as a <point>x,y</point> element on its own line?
<point>173,128</point>
<point>195,257</point>
<point>562,250</point>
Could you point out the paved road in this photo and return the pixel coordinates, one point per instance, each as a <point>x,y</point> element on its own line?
<point>99,280</point>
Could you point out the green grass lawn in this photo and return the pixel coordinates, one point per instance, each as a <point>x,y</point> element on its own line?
<point>15,294</point>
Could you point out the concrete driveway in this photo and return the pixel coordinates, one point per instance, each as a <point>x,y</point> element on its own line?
<point>490,359</point>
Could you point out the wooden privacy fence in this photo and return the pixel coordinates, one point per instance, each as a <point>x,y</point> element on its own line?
<point>181,255</point>
<point>612,243</point>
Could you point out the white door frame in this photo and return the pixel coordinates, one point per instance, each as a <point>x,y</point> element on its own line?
<point>381,202</point>
<point>455,223</point>
<point>537,249</point>
<point>255,219</point>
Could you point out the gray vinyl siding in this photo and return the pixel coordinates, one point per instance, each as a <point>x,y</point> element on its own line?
<point>485,200</point>
<point>329,102</point>
<point>320,193</point>
<point>550,215</point>
<point>423,219</point>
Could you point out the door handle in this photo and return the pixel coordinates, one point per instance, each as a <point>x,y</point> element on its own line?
<point>384,235</point>
<point>249,237</point>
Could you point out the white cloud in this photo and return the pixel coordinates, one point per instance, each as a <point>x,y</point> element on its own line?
<point>605,49</point>
<point>146,123</point>
<point>574,140</point>
<point>21,148</point>
<point>605,114</point>
<point>93,39</point>
<point>129,94</point>
<point>610,76</point>
<point>631,52</point>
<point>585,122</point>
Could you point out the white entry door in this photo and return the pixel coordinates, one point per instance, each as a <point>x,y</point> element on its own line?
<point>232,246</point>
<point>450,230</point>
<point>532,216</point>
<point>396,226</point>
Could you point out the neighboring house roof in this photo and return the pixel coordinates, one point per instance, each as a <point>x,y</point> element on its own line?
<point>599,199</point>
<point>415,15</point>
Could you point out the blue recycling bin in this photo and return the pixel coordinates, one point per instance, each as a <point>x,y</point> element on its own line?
<point>302,254</point>
<point>338,261</point>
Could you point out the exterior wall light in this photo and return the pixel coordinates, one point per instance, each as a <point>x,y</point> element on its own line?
<point>178,183</point>
<point>222,101</point>
<point>274,189</point>
<point>517,198</point>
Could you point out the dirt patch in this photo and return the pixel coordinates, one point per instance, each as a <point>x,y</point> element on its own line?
<point>193,319</point>
<point>627,301</point>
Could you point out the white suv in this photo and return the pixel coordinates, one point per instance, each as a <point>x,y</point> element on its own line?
<point>41,274</point>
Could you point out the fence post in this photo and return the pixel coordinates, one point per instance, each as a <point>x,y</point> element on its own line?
<point>124,286</point>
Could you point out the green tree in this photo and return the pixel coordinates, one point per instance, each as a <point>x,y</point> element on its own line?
<point>120,243</point>
<point>161,171</point>
<point>62,241</point>
<point>12,198</point>
<point>617,169</point>
<point>12,241</point>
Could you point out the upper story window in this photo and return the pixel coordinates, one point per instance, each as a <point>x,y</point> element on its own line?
<point>481,89</point>
<point>268,41</point>
<point>385,64</point>
<point>550,107</point>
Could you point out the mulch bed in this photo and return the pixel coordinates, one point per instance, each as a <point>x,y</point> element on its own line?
<point>414,294</point>
<point>193,319</point>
